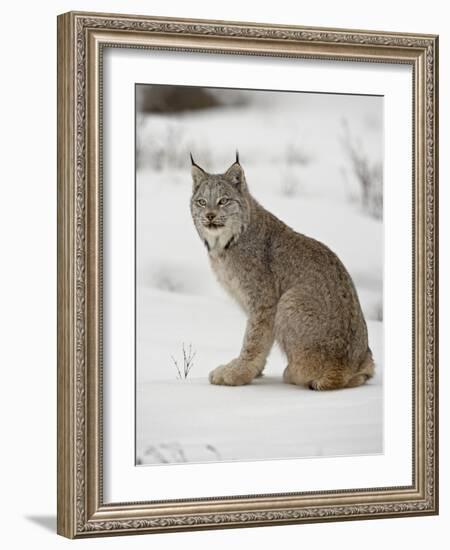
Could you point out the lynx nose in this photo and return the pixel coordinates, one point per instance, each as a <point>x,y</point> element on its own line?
<point>210,216</point>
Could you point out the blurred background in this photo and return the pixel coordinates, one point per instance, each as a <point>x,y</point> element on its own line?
<point>174,120</point>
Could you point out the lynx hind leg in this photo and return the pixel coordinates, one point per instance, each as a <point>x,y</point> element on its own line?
<point>319,373</point>
<point>364,373</point>
<point>316,372</point>
<point>334,376</point>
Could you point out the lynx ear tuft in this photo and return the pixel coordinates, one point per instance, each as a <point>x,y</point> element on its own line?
<point>198,174</point>
<point>237,156</point>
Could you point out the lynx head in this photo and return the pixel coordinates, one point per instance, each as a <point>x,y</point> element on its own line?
<point>220,205</point>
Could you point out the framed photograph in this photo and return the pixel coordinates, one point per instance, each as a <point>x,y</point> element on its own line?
<point>247,274</point>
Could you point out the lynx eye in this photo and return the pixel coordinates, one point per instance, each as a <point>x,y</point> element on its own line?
<point>201,202</point>
<point>223,201</point>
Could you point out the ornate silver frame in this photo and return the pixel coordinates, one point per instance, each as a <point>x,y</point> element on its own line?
<point>81,510</point>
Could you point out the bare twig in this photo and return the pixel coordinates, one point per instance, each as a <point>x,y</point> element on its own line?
<point>368,174</point>
<point>188,362</point>
<point>175,362</point>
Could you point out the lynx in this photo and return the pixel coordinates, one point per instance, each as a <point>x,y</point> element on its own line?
<point>293,289</point>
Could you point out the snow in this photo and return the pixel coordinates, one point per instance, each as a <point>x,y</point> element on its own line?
<point>179,302</point>
<point>266,419</point>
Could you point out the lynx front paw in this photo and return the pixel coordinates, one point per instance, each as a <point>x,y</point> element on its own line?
<point>235,373</point>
